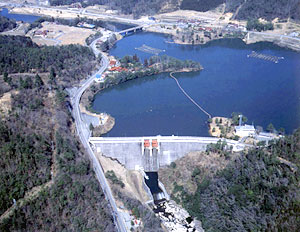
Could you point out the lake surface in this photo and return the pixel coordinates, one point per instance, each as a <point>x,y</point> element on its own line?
<point>19,17</point>
<point>263,91</point>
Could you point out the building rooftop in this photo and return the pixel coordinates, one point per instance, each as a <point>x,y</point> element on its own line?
<point>245,128</point>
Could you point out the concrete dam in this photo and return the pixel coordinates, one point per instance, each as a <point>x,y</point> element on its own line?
<point>151,153</point>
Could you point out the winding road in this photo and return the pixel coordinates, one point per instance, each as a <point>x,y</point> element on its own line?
<point>83,132</point>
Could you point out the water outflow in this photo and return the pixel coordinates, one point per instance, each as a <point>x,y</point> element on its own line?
<point>172,216</point>
<point>152,183</point>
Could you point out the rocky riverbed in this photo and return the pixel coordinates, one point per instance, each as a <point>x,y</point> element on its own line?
<point>175,218</point>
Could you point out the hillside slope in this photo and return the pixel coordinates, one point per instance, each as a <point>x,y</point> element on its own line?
<point>6,24</point>
<point>265,9</point>
<point>256,191</point>
<point>248,9</point>
<point>44,169</point>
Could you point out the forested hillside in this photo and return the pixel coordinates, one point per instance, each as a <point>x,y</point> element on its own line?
<point>19,54</point>
<point>249,9</point>
<point>200,5</point>
<point>6,24</point>
<point>256,190</point>
<point>43,167</point>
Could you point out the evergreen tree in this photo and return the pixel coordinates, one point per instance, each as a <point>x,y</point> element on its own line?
<point>38,82</point>
<point>146,63</point>
<point>271,128</point>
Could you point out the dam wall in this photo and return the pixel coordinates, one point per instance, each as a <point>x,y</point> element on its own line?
<point>151,153</point>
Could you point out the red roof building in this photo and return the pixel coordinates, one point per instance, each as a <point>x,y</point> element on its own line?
<point>112,63</point>
<point>118,69</point>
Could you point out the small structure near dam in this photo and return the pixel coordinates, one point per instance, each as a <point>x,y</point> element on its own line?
<point>151,153</point>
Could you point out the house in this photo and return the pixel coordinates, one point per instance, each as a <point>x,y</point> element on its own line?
<point>86,25</point>
<point>36,33</point>
<point>118,69</point>
<point>112,63</point>
<point>100,78</point>
<point>207,34</point>
<point>294,34</point>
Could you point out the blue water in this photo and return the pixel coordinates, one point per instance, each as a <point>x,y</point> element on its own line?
<point>19,17</point>
<point>152,182</point>
<point>263,91</point>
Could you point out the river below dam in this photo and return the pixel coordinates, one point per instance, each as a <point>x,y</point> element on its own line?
<point>264,91</point>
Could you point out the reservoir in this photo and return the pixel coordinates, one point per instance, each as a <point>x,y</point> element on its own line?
<point>264,91</point>
<point>19,17</point>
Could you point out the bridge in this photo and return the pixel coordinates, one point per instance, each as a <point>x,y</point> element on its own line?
<point>131,30</point>
<point>151,153</point>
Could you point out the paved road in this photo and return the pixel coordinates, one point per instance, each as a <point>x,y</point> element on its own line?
<point>82,130</point>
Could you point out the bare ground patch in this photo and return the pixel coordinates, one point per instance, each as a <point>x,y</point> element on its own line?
<point>132,179</point>
<point>55,34</point>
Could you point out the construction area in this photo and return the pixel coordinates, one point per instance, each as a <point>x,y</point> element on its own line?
<point>55,34</point>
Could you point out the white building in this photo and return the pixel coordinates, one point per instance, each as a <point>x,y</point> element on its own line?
<point>44,3</point>
<point>100,78</point>
<point>246,130</point>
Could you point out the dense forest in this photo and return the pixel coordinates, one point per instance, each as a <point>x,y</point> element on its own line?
<point>250,9</point>
<point>253,9</point>
<point>47,183</point>
<point>31,152</point>
<point>6,24</point>
<point>200,5</point>
<point>19,54</point>
<point>256,190</point>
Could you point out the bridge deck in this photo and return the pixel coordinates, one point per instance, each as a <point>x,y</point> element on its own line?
<point>131,29</point>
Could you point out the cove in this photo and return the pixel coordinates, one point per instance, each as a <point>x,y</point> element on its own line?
<point>263,91</point>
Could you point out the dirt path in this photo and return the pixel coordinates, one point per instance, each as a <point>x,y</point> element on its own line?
<point>237,10</point>
<point>33,193</point>
<point>29,196</point>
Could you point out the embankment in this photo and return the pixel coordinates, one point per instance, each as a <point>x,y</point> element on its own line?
<point>280,40</point>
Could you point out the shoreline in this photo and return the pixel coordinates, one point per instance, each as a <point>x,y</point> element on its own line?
<point>88,98</point>
<point>251,37</point>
